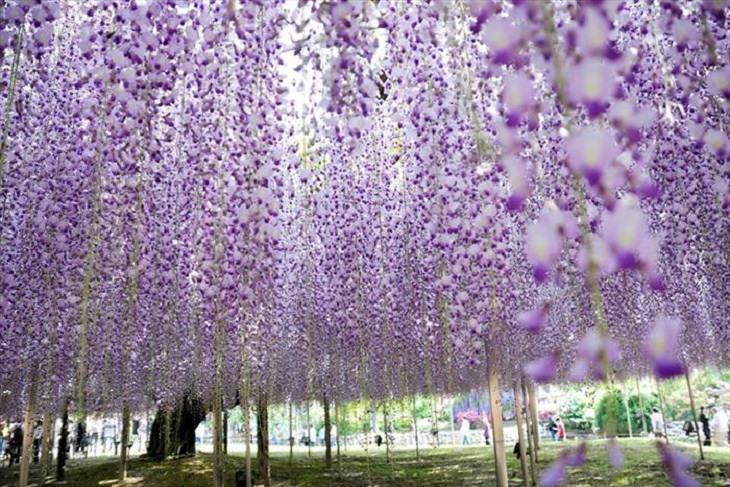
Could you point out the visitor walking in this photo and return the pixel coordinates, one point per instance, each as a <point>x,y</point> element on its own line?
<point>560,432</point>
<point>657,423</point>
<point>487,431</point>
<point>16,444</point>
<point>37,438</point>
<point>705,422</point>
<point>464,430</point>
<point>552,428</point>
<point>719,426</point>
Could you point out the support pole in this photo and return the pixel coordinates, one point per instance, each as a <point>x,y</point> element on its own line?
<point>218,480</point>
<point>28,423</point>
<point>309,432</point>
<point>247,431</point>
<point>694,413</point>
<point>521,433</point>
<point>451,417</point>
<point>225,431</point>
<point>262,425</point>
<point>628,413</point>
<point>291,436</point>
<point>337,430</point>
<point>327,433</point>
<point>495,400</point>
<point>534,431</point>
<point>123,458</point>
<point>530,439</point>
<point>385,432</point>
<point>641,406</point>
<point>46,447</point>
<point>415,425</point>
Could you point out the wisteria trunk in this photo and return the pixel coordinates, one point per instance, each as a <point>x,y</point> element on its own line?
<point>262,424</point>
<point>327,433</point>
<point>495,401</point>
<point>521,433</point>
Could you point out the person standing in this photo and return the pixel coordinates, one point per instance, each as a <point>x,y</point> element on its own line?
<point>464,430</point>
<point>560,433</point>
<point>719,426</point>
<point>487,431</point>
<point>705,422</point>
<point>657,423</point>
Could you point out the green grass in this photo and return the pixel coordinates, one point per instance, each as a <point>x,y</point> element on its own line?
<point>472,466</point>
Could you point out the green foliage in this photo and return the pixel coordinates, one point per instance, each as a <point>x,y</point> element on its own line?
<point>574,414</point>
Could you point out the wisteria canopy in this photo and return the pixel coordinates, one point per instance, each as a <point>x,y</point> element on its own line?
<point>365,199</point>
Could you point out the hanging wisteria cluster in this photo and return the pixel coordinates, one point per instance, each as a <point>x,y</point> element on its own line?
<point>358,198</point>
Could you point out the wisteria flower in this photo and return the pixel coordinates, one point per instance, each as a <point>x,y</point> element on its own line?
<point>593,34</point>
<point>545,238</point>
<point>592,84</point>
<point>718,82</point>
<point>626,231</point>
<point>590,150</point>
<point>615,456</point>
<point>718,142</point>
<point>594,348</point>
<point>518,97</point>
<point>534,320</point>
<point>662,347</point>
<point>519,180</point>
<point>503,38</point>
<point>675,465</point>
<point>543,370</point>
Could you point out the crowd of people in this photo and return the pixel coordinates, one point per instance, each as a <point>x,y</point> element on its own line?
<point>97,435</point>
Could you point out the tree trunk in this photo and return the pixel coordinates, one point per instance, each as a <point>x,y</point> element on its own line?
<point>174,434</point>
<point>495,401</point>
<point>262,425</point>
<point>123,458</point>
<point>327,433</point>
<point>63,444</point>
<point>46,447</point>
<point>521,433</point>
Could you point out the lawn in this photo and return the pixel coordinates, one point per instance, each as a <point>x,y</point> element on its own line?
<point>469,466</point>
